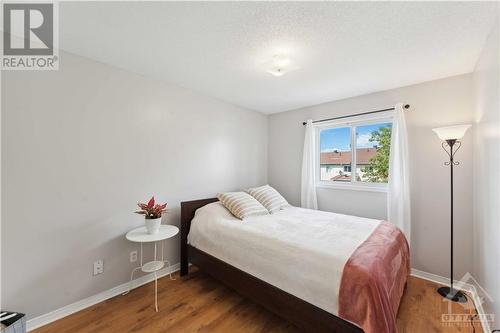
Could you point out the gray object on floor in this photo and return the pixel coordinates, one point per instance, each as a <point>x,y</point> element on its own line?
<point>12,322</point>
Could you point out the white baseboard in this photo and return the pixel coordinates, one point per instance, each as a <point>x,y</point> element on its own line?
<point>470,288</point>
<point>92,300</point>
<point>107,294</point>
<point>432,277</point>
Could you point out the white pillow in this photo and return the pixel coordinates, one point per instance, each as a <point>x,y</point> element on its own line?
<point>241,204</point>
<point>269,198</point>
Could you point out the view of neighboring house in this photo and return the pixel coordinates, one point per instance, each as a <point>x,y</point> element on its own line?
<point>336,165</point>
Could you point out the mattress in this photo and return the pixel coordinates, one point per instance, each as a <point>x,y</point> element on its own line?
<point>300,251</point>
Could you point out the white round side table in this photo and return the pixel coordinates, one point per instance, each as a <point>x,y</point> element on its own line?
<point>140,235</point>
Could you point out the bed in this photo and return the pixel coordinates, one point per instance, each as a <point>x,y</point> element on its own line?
<point>323,272</point>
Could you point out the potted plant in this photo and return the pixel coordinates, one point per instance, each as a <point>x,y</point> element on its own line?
<point>152,215</point>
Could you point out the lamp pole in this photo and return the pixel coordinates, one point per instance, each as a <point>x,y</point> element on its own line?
<point>449,292</point>
<point>449,136</point>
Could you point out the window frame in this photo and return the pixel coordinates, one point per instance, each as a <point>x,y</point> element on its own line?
<point>352,123</point>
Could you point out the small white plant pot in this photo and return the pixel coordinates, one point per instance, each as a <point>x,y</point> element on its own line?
<point>153,225</point>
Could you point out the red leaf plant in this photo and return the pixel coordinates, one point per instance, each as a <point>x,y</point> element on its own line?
<point>151,210</point>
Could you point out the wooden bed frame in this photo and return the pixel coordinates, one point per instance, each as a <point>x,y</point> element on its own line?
<point>302,314</point>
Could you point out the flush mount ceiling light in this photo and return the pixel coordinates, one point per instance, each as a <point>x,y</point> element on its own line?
<point>279,65</point>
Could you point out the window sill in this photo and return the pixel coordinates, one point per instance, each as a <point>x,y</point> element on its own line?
<point>354,187</point>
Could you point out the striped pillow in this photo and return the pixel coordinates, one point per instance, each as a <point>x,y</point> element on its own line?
<point>269,198</point>
<point>241,204</point>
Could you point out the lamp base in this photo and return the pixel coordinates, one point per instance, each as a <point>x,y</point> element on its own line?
<point>452,294</point>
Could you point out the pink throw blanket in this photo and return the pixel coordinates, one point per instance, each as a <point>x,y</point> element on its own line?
<point>373,280</point>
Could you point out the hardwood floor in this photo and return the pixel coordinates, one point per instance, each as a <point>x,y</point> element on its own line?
<point>201,304</point>
<point>422,309</point>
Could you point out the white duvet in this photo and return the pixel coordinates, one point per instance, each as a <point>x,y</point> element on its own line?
<point>300,251</point>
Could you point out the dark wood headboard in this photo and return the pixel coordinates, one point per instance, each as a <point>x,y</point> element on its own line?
<point>188,208</point>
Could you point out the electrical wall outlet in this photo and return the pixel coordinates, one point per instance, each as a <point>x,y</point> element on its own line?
<point>133,256</point>
<point>98,267</point>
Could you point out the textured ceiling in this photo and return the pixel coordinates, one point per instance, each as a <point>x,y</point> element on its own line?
<point>343,48</point>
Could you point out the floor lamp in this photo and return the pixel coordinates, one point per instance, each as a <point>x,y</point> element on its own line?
<point>451,144</point>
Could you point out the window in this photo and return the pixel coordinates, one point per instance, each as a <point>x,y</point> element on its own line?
<point>373,143</point>
<point>335,146</point>
<point>355,153</point>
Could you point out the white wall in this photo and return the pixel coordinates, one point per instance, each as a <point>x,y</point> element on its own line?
<point>437,103</point>
<point>486,173</point>
<point>80,147</point>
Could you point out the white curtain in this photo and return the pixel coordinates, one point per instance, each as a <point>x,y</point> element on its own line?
<point>398,198</point>
<point>308,188</point>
